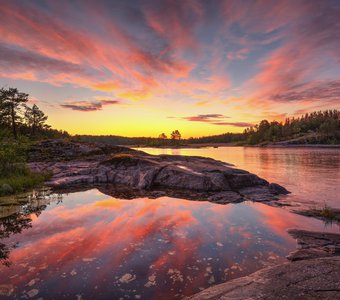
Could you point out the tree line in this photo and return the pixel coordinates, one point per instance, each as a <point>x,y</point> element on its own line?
<point>19,118</point>
<point>324,123</point>
<point>323,126</point>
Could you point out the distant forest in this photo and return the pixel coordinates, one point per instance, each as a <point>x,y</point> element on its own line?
<point>321,127</point>
<point>19,120</point>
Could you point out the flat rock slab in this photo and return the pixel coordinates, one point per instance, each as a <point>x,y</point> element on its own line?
<point>314,244</point>
<point>308,279</point>
<point>74,164</point>
<point>314,273</point>
<point>327,214</point>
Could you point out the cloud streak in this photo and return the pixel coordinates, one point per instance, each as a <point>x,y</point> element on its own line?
<point>205,118</point>
<point>215,119</point>
<point>306,66</point>
<point>235,124</point>
<point>87,106</point>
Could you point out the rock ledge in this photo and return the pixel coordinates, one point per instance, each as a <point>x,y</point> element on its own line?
<point>123,171</point>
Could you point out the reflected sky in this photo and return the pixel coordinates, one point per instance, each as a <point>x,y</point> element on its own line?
<point>311,174</point>
<point>93,246</point>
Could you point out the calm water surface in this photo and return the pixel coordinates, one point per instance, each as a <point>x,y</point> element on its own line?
<point>87,245</point>
<point>311,174</point>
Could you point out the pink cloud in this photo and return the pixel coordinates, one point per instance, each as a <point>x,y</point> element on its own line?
<point>303,68</point>
<point>173,49</point>
<point>58,52</point>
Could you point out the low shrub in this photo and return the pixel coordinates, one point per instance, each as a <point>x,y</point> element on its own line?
<point>19,183</point>
<point>15,177</point>
<point>12,157</point>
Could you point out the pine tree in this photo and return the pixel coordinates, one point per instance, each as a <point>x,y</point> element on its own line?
<point>35,118</point>
<point>11,103</point>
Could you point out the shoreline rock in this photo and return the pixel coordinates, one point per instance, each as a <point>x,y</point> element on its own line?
<point>314,244</point>
<point>84,165</point>
<point>313,273</point>
<point>308,279</point>
<point>327,214</point>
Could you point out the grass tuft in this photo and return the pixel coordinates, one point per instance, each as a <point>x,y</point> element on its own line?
<point>327,213</point>
<point>21,182</point>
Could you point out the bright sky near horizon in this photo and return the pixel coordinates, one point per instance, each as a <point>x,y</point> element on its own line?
<point>139,68</point>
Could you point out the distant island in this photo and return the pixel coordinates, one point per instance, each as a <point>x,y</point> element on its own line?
<point>316,128</point>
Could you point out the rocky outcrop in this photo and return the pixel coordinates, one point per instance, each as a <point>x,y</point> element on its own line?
<point>314,274</point>
<point>116,169</point>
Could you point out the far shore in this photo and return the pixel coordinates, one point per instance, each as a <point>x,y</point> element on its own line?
<point>217,145</point>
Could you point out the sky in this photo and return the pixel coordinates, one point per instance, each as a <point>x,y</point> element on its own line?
<point>140,68</point>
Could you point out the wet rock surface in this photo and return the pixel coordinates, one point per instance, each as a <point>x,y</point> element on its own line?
<point>314,244</point>
<point>326,214</point>
<point>313,274</point>
<point>116,169</point>
<point>309,279</point>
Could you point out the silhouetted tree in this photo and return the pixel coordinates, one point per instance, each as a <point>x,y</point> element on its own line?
<point>162,136</point>
<point>11,103</point>
<point>35,118</point>
<point>175,135</point>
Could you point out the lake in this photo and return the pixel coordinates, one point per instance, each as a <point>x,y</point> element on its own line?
<point>312,175</point>
<point>88,245</point>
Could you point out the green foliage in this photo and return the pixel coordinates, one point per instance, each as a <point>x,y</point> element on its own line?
<point>35,119</point>
<point>11,103</point>
<point>15,177</point>
<point>17,119</point>
<point>326,124</point>
<point>17,183</point>
<point>221,138</point>
<point>12,156</point>
<point>19,124</point>
<point>4,132</point>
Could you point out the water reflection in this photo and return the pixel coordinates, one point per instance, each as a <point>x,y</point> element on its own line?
<point>16,214</point>
<point>94,246</point>
<point>311,174</point>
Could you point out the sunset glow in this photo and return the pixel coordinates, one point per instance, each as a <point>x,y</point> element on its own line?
<point>139,68</point>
